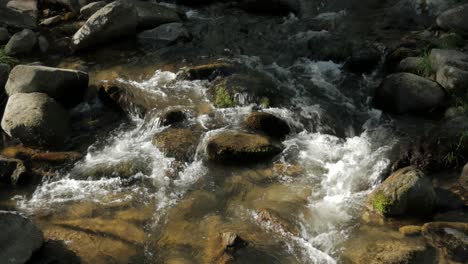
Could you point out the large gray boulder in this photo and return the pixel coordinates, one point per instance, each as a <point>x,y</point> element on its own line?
<point>91,8</point>
<point>151,15</point>
<point>164,35</point>
<point>406,192</point>
<point>19,13</point>
<point>408,93</point>
<point>19,238</point>
<point>36,120</point>
<point>116,20</point>
<point>21,43</point>
<point>451,68</point>
<point>454,19</point>
<point>66,86</point>
<point>442,57</point>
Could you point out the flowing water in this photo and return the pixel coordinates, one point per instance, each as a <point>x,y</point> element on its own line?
<point>126,202</point>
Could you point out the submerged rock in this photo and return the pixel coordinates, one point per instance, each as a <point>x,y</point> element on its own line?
<point>408,93</point>
<point>66,86</point>
<point>19,238</point>
<point>178,143</point>
<point>240,147</point>
<point>21,43</point>
<point>116,20</point>
<point>454,19</point>
<point>268,124</point>
<point>11,170</point>
<point>36,119</point>
<point>406,192</point>
<point>172,116</point>
<point>450,237</point>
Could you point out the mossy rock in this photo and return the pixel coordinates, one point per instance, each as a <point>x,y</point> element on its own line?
<point>268,124</point>
<point>178,143</point>
<point>240,147</point>
<point>406,192</point>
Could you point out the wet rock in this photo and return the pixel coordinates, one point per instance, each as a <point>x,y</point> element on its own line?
<point>124,169</point>
<point>54,252</point>
<point>66,86</point>
<point>91,8</point>
<point>453,79</point>
<point>411,65</point>
<point>394,57</point>
<point>244,89</point>
<point>51,21</point>
<point>454,19</point>
<point>4,35</point>
<point>116,20</point>
<point>271,217</point>
<point>19,13</point>
<point>364,59</point>
<point>151,15</point>
<point>37,156</point>
<point>21,43</point>
<point>36,119</point>
<point>12,171</point>
<point>450,237</point>
<point>4,72</point>
<point>207,71</point>
<point>268,124</point>
<point>19,238</point>
<point>231,242</point>
<point>240,147</point>
<point>410,230</point>
<point>452,216</point>
<point>375,245</point>
<point>71,5</point>
<point>43,44</point>
<point>447,200</point>
<point>178,143</point>
<point>172,116</point>
<point>406,192</point>
<point>164,35</point>
<point>408,93</point>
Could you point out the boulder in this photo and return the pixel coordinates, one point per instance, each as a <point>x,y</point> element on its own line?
<point>172,116</point>
<point>43,44</point>
<point>19,13</point>
<point>91,8</point>
<point>443,57</point>
<point>72,5</point>
<point>115,20</point>
<point>4,72</point>
<point>21,43</point>
<point>178,143</point>
<point>12,171</point>
<point>51,21</point>
<point>268,124</point>
<point>240,147</point>
<point>406,192</point>
<point>455,19</point>
<point>4,35</point>
<point>36,119</point>
<point>151,15</point>
<point>207,71</point>
<point>164,35</point>
<point>450,237</point>
<point>453,79</point>
<point>66,86</point>
<point>19,238</point>
<point>411,65</point>
<point>408,93</point>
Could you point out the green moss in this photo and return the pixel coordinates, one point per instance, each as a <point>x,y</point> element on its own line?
<point>425,67</point>
<point>381,203</point>
<point>222,97</point>
<point>4,58</point>
<point>265,102</point>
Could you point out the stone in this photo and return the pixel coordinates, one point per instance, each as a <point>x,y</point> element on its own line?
<point>151,15</point>
<point>4,72</point>
<point>55,251</point>
<point>71,5</point>
<point>268,124</point>
<point>21,43</point>
<point>19,14</point>
<point>115,20</point>
<point>164,35</point>
<point>408,93</point>
<point>91,8</point>
<point>19,238</point>
<point>172,116</point>
<point>51,21</point>
<point>450,237</point>
<point>4,35</point>
<point>43,44</point>
<point>411,65</point>
<point>36,119</point>
<point>410,230</point>
<point>240,147</point>
<point>454,19</point>
<point>453,79</point>
<point>364,59</point>
<point>463,180</point>
<point>66,86</point>
<point>178,143</point>
<point>231,242</point>
<point>443,57</point>
<point>12,171</point>
<point>406,192</point>
<point>207,71</point>
<point>271,217</point>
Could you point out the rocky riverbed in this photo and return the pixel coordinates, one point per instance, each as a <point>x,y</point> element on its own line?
<point>234,131</point>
